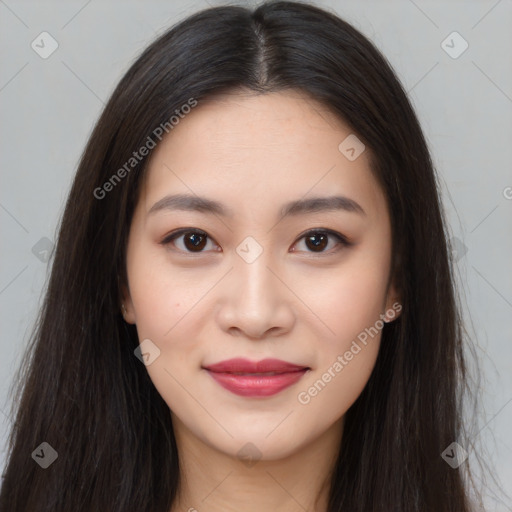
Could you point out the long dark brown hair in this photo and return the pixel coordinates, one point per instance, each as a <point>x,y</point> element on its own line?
<point>84,392</point>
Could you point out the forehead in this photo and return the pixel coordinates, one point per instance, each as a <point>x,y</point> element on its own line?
<point>254,146</point>
<point>246,120</point>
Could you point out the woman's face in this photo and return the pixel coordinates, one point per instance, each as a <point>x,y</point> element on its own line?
<point>258,270</point>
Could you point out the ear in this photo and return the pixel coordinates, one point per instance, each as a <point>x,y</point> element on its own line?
<point>393,303</point>
<point>125,303</point>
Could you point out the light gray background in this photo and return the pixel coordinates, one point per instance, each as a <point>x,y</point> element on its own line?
<point>48,107</point>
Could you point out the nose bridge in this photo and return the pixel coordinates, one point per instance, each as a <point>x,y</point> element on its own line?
<point>255,301</point>
<point>257,286</point>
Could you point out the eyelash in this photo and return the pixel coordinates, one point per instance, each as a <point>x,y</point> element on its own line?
<point>341,239</point>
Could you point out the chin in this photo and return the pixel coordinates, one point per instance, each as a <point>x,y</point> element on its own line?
<point>257,442</point>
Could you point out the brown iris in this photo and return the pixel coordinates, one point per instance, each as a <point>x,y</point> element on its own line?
<point>194,241</point>
<point>318,242</point>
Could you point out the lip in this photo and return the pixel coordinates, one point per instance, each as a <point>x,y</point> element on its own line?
<point>256,378</point>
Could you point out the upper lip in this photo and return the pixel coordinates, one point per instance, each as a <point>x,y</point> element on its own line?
<point>240,365</point>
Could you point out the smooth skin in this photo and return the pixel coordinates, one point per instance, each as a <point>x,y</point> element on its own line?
<point>200,303</point>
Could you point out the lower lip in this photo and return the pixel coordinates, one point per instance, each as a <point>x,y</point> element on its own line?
<point>257,385</point>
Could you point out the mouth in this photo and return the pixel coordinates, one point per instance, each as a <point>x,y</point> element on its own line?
<point>256,379</point>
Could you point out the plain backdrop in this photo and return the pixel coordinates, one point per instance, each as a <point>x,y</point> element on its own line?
<point>463,97</point>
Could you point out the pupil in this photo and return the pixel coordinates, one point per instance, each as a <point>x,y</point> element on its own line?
<point>198,241</point>
<point>319,244</point>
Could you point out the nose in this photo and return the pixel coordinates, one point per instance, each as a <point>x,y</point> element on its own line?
<point>254,302</point>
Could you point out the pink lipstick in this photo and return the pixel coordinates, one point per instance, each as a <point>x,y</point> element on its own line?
<point>255,378</point>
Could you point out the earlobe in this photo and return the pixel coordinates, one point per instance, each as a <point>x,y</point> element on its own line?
<point>126,304</point>
<point>393,305</point>
<point>127,312</point>
<point>393,312</point>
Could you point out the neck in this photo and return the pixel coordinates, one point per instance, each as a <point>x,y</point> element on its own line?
<point>214,481</point>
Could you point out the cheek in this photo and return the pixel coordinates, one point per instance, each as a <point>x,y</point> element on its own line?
<point>165,314</point>
<point>334,387</point>
<point>347,300</point>
<point>162,296</point>
<point>350,302</point>
<point>351,307</point>
<point>172,308</point>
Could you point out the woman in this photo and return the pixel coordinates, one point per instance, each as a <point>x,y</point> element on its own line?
<point>251,305</point>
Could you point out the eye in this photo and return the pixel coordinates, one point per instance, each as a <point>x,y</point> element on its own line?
<point>191,240</point>
<point>194,240</point>
<point>317,241</point>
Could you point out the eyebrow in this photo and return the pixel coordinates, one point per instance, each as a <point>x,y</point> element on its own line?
<point>186,202</point>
